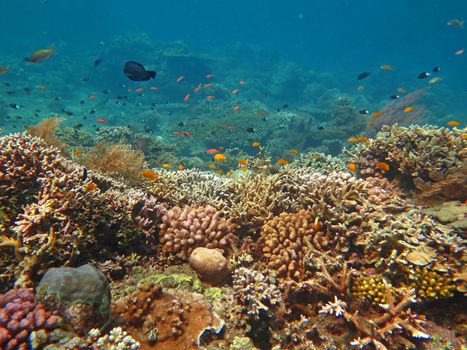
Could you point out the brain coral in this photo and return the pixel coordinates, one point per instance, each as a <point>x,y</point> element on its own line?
<point>184,229</point>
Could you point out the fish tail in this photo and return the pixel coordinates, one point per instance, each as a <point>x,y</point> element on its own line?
<point>152,74</point>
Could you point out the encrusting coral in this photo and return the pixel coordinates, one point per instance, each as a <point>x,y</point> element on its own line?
<point>184,229</point>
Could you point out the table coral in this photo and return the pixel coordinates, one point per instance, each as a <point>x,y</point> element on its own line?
<point>184,229</point>
<point>20,315</point>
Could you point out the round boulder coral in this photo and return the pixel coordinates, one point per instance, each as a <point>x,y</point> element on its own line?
<point>183,230</point>
<point>82,295</point>
<point>209,264</point>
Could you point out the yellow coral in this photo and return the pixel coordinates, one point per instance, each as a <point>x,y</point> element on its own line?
<point>431,284</point>
<point>372,288</point>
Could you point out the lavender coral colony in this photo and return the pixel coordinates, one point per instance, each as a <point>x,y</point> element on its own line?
<point>306,256</point>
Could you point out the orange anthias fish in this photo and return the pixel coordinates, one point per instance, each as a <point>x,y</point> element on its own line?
<point>362,138</point>
<point>140,89</point>
<point>242,161</point>
<point>211,97</point>
<point>208,85</point>
<point>91,187</point>
<point>181,167</point>
<point>212,151</point>
<point>40,55</point>
<point>453,123</point>
<point>382,166</point>
<point>149,174</point>
<point>153,88</point>
<point>376,114</point>
<point>209,76</point>
<point>408,109</point>
<point>219,157</point>
<point>180,78</point>
<point>102,120</point>
<point>166,166</point>
<point>351,166</point>
<point>294,151</point>
<point>282,162</point>
<point>459,52</point>
<point>236,108</point>
<point>212,166</point>
<point>78,152</point>
<point>352,139</point>
<point>242,82</point>
<point>235,91</point>
<point>186,98</point>
<point>92,97</point>
<point>256,144</point>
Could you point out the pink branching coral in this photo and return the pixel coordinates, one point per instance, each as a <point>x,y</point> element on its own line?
<point>183,230</point>
<point>20,315</point>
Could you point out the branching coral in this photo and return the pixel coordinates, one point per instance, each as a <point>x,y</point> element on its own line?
<point>57,212</point>
<point>184,229</point>
<point>254,292</point>
<point>416,155</point>
<point>286,238</point>
<point>430,284</point>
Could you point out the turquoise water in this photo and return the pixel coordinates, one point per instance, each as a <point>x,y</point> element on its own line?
<point>303,55</point>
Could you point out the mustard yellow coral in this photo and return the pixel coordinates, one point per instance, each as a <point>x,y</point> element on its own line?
<point>372,288</point>
<point>430,284</point>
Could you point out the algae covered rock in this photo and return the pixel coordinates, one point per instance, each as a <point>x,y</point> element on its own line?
<point>81,295</point>
<point>209,264</point>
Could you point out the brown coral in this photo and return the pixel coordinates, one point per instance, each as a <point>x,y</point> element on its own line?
<point>287,239</point>
<point>183,230</point>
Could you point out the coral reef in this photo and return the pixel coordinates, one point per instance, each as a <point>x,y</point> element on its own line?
<point>417,156</point>
<point>430,284</point>
<point>55,211</point>
<point>184,229</point>
<point>20,315</point>
<point>372,288</point>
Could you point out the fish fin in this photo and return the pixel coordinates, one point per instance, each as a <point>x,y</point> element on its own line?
<point>152,74</point>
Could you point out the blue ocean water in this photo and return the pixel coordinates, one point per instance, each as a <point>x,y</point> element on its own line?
<point>339,38</point>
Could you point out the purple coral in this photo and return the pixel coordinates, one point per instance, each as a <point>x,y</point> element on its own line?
<point>20,315</point>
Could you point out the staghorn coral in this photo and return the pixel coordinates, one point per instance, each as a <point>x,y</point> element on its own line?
<point>119,161</point>
<point>184,229</point>
<point>192,187</point>
<point>255,199</point>
<point>285,240</point>
<point>255,292</point>
<point>417,155</point>
<point>20,315</point>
